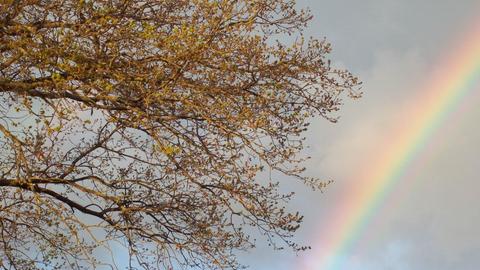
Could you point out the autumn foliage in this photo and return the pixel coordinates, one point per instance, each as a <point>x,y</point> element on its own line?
<point>144,124</point>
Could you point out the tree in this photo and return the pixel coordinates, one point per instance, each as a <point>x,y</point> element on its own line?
<point>145,123</point>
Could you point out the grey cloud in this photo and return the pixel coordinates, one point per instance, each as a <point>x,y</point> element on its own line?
<point>432,217</point>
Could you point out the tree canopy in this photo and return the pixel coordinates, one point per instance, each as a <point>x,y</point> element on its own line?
<point>146,123</point>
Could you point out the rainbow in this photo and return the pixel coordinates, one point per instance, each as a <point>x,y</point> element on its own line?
<point>455,78</point>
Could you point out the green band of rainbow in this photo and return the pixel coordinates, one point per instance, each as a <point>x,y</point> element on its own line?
<point>456,78</point>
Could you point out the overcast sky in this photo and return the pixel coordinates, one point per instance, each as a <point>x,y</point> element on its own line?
<point>432,219</point>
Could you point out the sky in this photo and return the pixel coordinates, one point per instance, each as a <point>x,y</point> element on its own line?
<point>429,218</point>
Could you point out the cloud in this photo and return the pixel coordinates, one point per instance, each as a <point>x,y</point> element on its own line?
<point>431,220</point>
